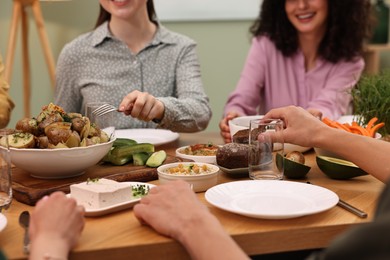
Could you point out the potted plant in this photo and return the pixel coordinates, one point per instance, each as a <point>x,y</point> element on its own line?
<point>371,98</point>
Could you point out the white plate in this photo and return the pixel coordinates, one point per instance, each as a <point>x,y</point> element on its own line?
<point>148,135</point>
<point>3,222</point>
<point>116,207</point>
<point>270,199</point>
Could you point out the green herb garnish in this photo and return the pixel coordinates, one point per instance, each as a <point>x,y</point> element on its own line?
<point>93,180</point>
<point>140,190</point>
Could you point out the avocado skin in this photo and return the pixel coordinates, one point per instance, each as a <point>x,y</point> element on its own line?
<point>338,171</point>
<point>292,170</point>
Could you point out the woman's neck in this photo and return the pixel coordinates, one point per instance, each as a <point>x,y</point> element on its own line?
<point>136,33</point>
<point>309,44</point>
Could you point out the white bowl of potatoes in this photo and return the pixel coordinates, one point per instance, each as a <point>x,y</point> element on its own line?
<point>57,145</point>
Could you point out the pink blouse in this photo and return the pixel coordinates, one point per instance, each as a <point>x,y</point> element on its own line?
<point>270,80</point>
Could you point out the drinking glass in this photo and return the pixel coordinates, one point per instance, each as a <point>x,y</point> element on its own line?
<point>265,141</point>
<point>5,172</point>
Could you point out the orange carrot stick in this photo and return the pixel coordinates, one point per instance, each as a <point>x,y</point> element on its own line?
<point>341,126</point>
<point>371,123</point>
<point>375,128</point>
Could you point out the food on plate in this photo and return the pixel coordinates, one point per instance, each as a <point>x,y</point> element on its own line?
<point>100,193</point>
<point>370,129</point>
<point>294,167</point>
<point>125,150</point>
<point>189,169</point>
<point>233,155</point>
<point>242,136</point>
<point>200,150</point>
<point>139,190</point>
<point>139,159</point>
<point>296,157</point>
<point>338,169</point>
<point>156,159</point>
<point>54,128</point>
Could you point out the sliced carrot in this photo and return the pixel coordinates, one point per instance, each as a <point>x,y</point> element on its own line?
<point>341,126</point>
<point>371,123</point>
<point>355,123</point>
<point>375,128</point>
<point>327,121</point>
<point>360,130</point>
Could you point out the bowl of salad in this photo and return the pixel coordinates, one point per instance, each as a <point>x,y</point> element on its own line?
<point>201,176</point>
<point>205,153</point>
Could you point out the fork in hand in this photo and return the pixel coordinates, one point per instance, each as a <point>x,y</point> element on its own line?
<point>104,109</point>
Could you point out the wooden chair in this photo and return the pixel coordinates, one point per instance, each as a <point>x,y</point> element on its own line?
<point>19,15</point>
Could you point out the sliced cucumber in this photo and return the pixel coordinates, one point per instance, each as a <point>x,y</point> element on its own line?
<point>140,159</point>
<point>126,150</point>
<point>123,142</point>
<point>156,159</point>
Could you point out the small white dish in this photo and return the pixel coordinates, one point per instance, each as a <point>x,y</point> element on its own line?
<point>153,136</point>
<point>196,158</point>
<point>271,199</point>
<point>3,222</point>
<point>117,207</point>
<point>200,182</point>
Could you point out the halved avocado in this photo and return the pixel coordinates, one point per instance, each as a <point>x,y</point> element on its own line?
<point>292,169</point>
<point>338,169</point>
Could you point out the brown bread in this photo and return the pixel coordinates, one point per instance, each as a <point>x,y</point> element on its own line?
<point>233,156</point>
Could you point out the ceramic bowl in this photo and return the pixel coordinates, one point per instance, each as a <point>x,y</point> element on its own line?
<point>200,182</point>
<point>58,163</point>
<point>196,158</point>
<point>242,122</point>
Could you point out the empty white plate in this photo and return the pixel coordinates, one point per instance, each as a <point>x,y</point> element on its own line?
<point>271,199</point>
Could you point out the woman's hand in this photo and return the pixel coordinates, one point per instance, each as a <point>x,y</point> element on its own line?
<point>55,226</point>
<point>142,105</point>
<point>224,126</point>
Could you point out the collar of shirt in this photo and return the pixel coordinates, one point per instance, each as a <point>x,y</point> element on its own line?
<point>103,33</point>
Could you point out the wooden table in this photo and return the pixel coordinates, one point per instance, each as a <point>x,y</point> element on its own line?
<point>120,236</point>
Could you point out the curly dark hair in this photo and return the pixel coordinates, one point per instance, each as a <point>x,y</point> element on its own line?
<point>349,25</point>
<point>106,16</point>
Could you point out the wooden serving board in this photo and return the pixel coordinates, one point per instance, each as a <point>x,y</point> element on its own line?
<point>29,190</point>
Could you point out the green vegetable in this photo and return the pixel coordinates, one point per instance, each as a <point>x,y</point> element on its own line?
<point>140,190</point>
<point>371,98</point>
<point>156,159</point>
<point>338,169</point>
<point>292,169</point>
<point>123,142</point>
<point>140,159</point>
<point>123,151</point>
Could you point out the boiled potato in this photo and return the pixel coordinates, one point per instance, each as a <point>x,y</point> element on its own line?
<point>21,140</point>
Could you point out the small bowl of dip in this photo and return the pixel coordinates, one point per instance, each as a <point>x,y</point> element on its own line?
<point>204,153</point>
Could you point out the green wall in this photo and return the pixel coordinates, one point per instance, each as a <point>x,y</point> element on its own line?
<point>222,49</point>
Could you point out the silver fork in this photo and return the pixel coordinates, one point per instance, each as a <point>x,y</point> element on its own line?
<point>104,109</point>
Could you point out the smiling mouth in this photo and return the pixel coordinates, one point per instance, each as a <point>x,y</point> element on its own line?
<point>305,16</point>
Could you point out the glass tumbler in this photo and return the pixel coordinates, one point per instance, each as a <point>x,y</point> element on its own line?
<point>265,142</point>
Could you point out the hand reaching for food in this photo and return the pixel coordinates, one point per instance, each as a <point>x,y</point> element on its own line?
<point>224,126</point>
<point>142,105</point>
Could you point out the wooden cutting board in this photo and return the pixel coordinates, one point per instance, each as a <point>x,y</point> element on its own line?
<point>29,190</point>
